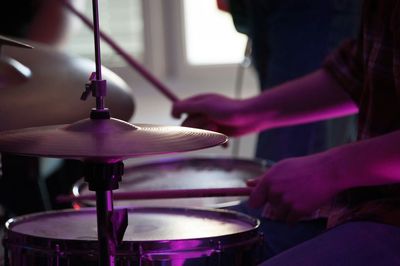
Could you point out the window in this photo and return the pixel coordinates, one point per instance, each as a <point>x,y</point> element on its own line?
<point>122,20</point>
<point>213,40</point>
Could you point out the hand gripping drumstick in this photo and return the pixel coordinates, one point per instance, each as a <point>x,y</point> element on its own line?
<point>165,194</point>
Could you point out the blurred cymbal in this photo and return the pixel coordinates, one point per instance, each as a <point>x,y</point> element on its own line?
<point>106,140</point>
<point>52,94</point>
<point>12,72</point>
<point>11,42</point>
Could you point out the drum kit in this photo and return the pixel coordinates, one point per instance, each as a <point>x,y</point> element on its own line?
<point>140,232</point>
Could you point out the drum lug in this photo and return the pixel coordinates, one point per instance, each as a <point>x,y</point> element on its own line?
<point>5,248</point>
<point>165,257</point>
<point>217,247</point>
<point>215,258</point>
<point>58,253</point>
<point>261,236</point>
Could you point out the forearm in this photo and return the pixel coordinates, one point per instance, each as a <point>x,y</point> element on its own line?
<point>375,161</point>
<point>314,97</point>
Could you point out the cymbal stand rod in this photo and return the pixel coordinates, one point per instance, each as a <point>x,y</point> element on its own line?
<point>103,178</point>
<point>104,207</point>
<point>99,96</point>
<point>163,88</point>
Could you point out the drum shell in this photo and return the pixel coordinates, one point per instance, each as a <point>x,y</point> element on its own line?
<point>241,248</point>
<point>183,173</point>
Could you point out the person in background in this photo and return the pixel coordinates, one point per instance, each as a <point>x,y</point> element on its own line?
<point>359,180</point>
<point>289,39</point>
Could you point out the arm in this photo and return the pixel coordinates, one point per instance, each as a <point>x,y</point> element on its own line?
<point>375,161</point>
<point>314,97</point>
<point>296,187</point>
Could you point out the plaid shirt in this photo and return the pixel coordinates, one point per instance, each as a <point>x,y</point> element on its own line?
<point>369,70</point>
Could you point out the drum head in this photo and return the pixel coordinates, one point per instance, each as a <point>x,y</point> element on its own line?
<point>153,236</point>
<point>144,224</point>
<point>184,173</point>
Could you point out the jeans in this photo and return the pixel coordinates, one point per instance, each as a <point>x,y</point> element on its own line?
<point>279,236</point>
<point>350,244</point>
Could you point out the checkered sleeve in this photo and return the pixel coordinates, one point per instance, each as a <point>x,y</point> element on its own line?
<point>345,65</point>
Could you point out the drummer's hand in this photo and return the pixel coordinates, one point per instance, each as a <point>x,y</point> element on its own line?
<point>212,112</point>
<point>294,188</point>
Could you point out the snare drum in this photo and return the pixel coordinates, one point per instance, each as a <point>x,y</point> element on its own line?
<point>183,173</point>
<point>154,236</point>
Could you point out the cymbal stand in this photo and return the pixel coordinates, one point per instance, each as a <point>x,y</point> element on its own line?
<point>103,177</point>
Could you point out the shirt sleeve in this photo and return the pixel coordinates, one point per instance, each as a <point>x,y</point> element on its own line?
<point>345,65</point>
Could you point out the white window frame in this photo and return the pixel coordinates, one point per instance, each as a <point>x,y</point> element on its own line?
<point>178,66</point>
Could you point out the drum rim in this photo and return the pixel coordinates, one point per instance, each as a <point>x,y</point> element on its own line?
<point>264,164</point>
<point>256,161</point>
<point>72,246</point>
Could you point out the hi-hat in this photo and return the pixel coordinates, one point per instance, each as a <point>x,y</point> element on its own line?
<point>51,95</point>
<point>106,140</point>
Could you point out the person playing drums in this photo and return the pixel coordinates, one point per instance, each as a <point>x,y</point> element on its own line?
<point>360,179</point>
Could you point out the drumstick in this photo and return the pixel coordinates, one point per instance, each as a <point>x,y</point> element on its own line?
<point>165,194</point>
<point>129,59</point>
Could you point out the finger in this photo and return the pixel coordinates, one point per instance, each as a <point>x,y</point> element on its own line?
<point>252,182</point>
<point>231,131</point>
<point>202,122</point>
<point>176,111</point>
<point>257,198</point>
<point>210,126</point>
<point>190,105</point>
<point>195,121</point>
<point>226,144</point>
<point>276,212</point>
<point>180,108</point>
<point>267,211</point>
<point>259,195</point>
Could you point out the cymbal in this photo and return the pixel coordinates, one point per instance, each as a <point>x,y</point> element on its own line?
<point>11,42</point>
<point>106,140</point>
<point>51,95</point>
<point>12,72</point>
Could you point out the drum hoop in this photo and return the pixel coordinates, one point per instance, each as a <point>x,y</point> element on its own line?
<point>80,185</point>
<point>65,247</point>
<point>234,161</point>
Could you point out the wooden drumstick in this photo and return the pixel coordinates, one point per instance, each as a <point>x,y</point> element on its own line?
<point>165,194</point>
<point>129,59</point>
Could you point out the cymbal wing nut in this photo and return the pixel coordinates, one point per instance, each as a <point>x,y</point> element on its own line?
<point>103,176</point>
<point>99,88</point>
